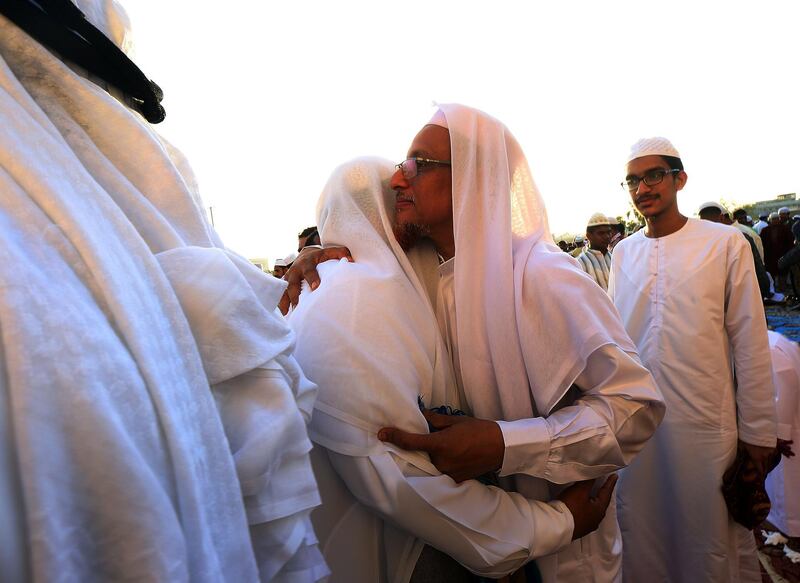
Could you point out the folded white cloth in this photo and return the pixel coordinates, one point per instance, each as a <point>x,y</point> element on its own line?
<point>120,308</point>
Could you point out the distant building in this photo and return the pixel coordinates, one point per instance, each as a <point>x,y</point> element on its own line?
<point>765,207</point>
<point>261,262</point>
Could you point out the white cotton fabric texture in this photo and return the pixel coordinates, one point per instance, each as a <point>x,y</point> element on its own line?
<point>690,301</point>
<point>783,483</point>
<point>370,372</point>
<point>352,211</point>
<point>655,146</point>
<point>119,308</point>
<point>508,274</point>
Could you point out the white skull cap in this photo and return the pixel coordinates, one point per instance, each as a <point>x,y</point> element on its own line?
<point>783,209</point>
<point>599,220</point>
<point>656,146</point>
<point>712,204</point>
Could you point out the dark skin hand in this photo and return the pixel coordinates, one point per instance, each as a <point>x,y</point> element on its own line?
<point>305,268</point>
<point>785,448</point>
<point>759,455</point>
<point>587,510</point>
<point>463,447</point>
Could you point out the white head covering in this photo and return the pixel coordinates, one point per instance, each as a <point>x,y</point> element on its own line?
<point>783,209</point>
<point>712,204</point>
<point>513,286</point>
<point>600,220</point>
<point>656,146</point>
<point>369,376</point>
<point>772,215</point>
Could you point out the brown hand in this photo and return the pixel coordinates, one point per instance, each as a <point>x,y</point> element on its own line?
<point>587,511</point>
<point>305,268</point>
<point>785,447</point>
<point>760,456</point>
<point>463,448</point>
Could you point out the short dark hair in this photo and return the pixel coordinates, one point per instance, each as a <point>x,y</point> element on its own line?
<point>674,163</point>
<point>710,211</point>
<point>307,231</point>
<point>739,213</point>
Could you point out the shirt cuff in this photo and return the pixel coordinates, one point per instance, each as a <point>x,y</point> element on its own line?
<point>754,438</point>
<point>527,446</point>
<point>784,431</point>
<point>553,528</point>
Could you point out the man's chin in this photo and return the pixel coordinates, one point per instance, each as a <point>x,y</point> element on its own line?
<point>409,234</point>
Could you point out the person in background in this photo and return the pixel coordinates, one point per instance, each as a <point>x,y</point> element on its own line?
<point>308,236</point>
<point>783,483</point>
<point>596,259</point>
<point>777,240</point>
<point>762,222</point>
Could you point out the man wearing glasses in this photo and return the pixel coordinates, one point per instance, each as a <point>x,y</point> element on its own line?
<point>687,292</point>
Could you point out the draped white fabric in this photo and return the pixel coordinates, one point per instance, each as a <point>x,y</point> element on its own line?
<point>119,308</point>
<point>413,360</point>
<point>527,320</point>
<point>509,276</point>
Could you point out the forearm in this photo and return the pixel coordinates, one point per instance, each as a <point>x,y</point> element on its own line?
<point>489,531</point>
<point>746,326</point>
<point>599,432</point>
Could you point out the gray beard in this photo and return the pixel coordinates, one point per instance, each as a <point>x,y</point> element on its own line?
<point>409,234</point>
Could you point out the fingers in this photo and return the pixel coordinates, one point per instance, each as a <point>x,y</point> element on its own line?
<point>607,489</point>
<point>335,253</point>
<point>439,421</point>
<point>410,441</point>
<point>283,305</point>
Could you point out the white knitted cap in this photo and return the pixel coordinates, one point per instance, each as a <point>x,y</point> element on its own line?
<point>598,220</point>
<point>712,204</point>
<point>656,146</point>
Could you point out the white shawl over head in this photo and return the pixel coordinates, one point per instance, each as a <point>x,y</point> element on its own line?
<point>119,308</point>
<point>367,336</point>
<point>523,322</point>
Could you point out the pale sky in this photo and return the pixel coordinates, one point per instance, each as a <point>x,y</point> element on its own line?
<point>267,98</point>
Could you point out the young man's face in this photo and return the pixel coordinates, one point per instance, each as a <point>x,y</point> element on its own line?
<point>652,201</point>
<point>424,203</point>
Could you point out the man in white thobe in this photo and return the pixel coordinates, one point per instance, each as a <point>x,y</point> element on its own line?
<point>554,383</point>
<point>596,258</point>
<point>783,483</point>
<point>687,292</point>
<point>152,417</point>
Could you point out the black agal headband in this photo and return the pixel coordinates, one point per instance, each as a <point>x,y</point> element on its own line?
<point>63,28</point>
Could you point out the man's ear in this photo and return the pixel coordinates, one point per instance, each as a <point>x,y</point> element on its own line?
<point>680,180</point>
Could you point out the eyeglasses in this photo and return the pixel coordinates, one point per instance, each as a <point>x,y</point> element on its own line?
<point>650,178</point>
<point>413,166</point>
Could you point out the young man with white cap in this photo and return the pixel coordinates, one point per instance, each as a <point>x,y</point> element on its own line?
<point>596,259</point>
<point>687,292</point>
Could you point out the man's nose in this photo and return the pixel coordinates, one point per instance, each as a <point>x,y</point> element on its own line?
<point>643,187</point>
<point>398,181</point>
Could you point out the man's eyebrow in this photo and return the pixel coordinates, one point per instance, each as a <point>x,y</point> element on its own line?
<point>645,172</point>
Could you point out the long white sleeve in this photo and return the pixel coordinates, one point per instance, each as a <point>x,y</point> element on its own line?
<point>616,411</point>
<point>489,531</point>
<point>746,326</point>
